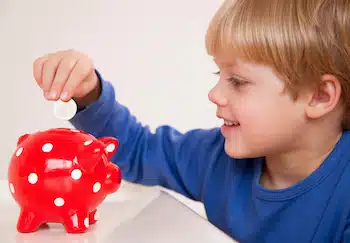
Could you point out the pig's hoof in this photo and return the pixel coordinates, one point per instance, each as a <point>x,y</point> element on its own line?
<point>77,223</point>
<point>28,222</point>
<point>93,217</point>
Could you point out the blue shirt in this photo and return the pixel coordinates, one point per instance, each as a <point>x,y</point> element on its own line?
<point>195,164</point>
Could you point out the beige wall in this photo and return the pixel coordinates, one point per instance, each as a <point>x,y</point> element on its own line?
<point>154,44</point>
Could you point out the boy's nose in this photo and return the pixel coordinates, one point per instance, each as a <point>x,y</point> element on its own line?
<point>216,95</point>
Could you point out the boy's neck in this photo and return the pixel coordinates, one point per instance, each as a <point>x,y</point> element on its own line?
<point>285,170</point>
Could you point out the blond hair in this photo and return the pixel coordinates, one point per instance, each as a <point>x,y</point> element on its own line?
<point>300,39</point>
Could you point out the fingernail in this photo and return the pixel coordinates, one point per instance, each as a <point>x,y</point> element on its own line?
<point>64,95</point>
<point>53,94</point>
<point>46,94</point>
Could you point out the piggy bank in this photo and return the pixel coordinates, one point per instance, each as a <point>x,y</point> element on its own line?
<point>61,176</point>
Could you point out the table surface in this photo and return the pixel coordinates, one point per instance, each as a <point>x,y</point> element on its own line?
<point>147,216</point>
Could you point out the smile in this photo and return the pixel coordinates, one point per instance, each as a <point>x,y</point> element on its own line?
<point>231,123</point>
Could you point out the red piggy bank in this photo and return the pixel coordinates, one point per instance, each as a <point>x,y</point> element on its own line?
<point>61,176</point>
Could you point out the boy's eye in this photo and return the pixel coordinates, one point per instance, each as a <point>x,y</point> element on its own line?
<point>235,81</point>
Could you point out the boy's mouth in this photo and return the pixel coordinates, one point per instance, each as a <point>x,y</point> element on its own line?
<point>231,123</point>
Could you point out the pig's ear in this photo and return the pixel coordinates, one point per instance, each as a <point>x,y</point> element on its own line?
<point>22,138</point>
<point>111,144</point>
<point>90,155</point>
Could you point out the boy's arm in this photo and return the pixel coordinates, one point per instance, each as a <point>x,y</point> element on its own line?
<point>345,238</point>
<point>167,157</point>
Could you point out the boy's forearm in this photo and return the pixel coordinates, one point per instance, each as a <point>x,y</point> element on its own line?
<point>166,157</point>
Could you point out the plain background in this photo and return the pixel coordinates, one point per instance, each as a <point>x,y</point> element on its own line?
<point>152,51</point>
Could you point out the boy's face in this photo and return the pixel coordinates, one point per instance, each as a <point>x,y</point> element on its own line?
<point>261,117</point>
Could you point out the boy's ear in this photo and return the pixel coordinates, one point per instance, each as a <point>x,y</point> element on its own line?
<point>324,97</point>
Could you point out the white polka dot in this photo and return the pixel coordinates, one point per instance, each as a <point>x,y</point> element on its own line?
<point>33,178</point>
<point>97,187</point>
<point>12,188</point>
<point>47,147</point>
<point>110,148</point>
<point>76,174</point>
<point>59,202</point>
<point>19,151</point>
<point>96,216</point>
<point>87,143</point>
<point>86,222</point>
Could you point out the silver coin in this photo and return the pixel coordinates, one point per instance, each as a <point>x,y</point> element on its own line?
<point>65,110</point>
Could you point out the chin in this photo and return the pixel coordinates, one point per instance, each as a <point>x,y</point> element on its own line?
<point>239,152</point>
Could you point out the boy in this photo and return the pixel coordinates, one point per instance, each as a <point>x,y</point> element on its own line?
<point>278,169</point>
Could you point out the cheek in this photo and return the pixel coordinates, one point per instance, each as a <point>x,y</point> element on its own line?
<point>266,127</point>
<point>268,112</point>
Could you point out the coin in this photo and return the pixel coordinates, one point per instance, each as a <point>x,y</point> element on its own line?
<point>65,110</point>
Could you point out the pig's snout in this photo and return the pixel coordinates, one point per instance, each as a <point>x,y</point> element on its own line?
<point>113,178</point>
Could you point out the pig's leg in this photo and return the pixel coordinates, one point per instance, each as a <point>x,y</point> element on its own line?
<point>77,223</point>
<point>28,221</point>
<point>93,216</point>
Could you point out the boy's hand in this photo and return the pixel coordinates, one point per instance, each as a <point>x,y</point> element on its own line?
<point>65,75</point>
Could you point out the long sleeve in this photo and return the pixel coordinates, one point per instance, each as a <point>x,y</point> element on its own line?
<point>346,233</point>
<point>346,236</point>
<point>166,157</point>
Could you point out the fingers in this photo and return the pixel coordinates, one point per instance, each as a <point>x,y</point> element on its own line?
<point>37,69</point>
<point>62,74</point>
<point>49,72</point>
<point>40,64</point>
<point>80,72</point>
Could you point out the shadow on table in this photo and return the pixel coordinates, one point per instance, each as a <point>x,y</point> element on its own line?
<point>157,219</point>
<point>167,220</point>
<point>112,214</point>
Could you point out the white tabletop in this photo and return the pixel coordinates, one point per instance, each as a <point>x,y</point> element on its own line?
<point>125,216</point>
